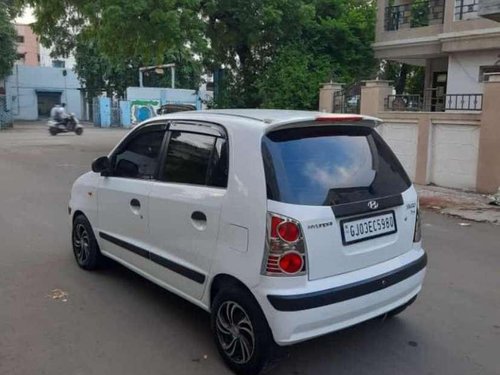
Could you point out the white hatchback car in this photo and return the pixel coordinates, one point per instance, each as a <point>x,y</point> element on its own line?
<point>284,225</point>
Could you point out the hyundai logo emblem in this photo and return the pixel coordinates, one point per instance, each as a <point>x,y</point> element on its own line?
<point>373,205</point>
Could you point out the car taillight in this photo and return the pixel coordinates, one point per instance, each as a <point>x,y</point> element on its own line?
<point>285,248</point>
<point>417,236</point>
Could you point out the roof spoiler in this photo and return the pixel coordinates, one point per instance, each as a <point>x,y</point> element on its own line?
<point>332,118</point>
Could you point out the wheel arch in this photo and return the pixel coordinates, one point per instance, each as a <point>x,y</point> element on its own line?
<point>223,280</point>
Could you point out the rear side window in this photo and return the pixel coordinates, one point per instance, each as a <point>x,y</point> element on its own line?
<point>197,159</point>
<point>330,165</point>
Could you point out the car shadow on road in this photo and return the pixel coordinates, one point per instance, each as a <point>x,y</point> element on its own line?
<point>350,351</point>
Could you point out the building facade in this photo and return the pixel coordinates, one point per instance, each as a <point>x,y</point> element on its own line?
<point>31,91</point>
<point>457,47</point>
<point>27,46</point>
<point>47,60</point>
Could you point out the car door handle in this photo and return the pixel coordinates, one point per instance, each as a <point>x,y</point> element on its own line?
<point>134,203</point>
<point>198,216</point>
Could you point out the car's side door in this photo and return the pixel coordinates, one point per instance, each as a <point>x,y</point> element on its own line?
<point>185,205</point>
<point>123,196</point>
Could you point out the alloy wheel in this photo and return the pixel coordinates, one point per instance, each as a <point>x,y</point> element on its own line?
<point>235,332</point>
<point>81,243</point>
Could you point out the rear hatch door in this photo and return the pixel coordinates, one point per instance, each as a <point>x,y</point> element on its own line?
<point>352,197</point>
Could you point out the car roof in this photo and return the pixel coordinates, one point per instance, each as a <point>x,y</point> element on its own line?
<point>266,117</point>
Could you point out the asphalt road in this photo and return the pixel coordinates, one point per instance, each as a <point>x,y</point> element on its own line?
<point>114,322</point>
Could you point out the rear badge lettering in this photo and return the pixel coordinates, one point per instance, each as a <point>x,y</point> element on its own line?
<point>320,225</point>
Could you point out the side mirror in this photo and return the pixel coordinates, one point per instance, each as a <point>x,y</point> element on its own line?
<point>126,168</point>
<point>102,165</point>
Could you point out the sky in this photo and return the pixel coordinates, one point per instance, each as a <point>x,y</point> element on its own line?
<point>27,17</point>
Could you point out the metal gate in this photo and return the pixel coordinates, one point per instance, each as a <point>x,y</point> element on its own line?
<point>96,112</point>
<point>115,113</point>
<point>5,114</point>
<point>347,100</point>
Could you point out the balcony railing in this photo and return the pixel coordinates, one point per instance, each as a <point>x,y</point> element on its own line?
<point>417,14</point>
<point>433,103</point>
<point>466,9</point>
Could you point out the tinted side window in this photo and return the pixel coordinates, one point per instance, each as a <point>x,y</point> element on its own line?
<point>197,159</point>
<point>188,158</point>
<point>139,158</point>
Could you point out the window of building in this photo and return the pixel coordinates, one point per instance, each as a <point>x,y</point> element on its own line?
<point>58,64</point>
<point>466,9</point>
<point>485,70</point>
<point>196,159</point>
<point>21,58</point>
<point>20,38</point>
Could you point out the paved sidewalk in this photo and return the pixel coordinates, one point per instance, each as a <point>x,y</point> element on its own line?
<point>462,204</point>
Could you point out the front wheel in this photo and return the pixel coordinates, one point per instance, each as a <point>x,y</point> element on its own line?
<point>242,335</point>
<point>85,247</point>
<point>78,131</point>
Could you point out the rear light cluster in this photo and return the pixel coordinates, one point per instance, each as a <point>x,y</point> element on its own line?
<point>285,248</point>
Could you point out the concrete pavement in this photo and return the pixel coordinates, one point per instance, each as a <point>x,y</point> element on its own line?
<point>115,322</point>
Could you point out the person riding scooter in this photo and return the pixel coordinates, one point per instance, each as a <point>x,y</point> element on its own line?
<point>59,115</point>
<point>62,122</point>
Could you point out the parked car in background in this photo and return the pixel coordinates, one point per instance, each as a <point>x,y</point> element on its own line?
<point>283,225</point>
<point>172,108</point>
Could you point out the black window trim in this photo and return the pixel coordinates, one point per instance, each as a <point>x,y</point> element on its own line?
<point>203,128</point>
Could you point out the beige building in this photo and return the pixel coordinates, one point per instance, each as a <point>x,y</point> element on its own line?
<point>456,45</point>
<point>27,46</point>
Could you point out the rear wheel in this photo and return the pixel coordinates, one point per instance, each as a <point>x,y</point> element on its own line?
<point>242,335</point>
<point>85,247</point>
<point>78,131</point>
<point>53,131</point>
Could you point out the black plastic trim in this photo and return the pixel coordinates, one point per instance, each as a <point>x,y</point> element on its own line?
<point>346,292</point>
<point>172,266</point>
<point>348,209</point>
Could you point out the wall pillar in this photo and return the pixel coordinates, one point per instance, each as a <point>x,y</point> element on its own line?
<point>373,95</point>
<point>326,96</point>
<point>423,149</point>
<point>488,168</point>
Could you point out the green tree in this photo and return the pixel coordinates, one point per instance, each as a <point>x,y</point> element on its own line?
<point>254,39</point>
<point>292,80</point>
<point>7,41</point>
<point>407,79</point>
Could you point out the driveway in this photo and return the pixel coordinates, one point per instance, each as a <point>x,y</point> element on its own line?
<point>57,319</point>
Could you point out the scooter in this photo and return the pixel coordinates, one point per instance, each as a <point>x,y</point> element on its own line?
<point>71,125</point>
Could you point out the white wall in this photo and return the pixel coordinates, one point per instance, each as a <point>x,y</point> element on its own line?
<point>402,138</point>
<point>24,82</point>
<point>454,155</point>
<point>463,71</point>
<point>46,59</point>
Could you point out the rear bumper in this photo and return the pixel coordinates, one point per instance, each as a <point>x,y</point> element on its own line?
<point>331,304</point>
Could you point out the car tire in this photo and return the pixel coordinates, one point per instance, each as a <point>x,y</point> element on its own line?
<point>85,248</point>
<point>237,323</point>
<point>399,310</point>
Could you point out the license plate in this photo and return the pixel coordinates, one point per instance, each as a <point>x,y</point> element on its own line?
<point>368,227</point>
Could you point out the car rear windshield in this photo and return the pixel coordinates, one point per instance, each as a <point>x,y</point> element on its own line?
<point>330,165</point>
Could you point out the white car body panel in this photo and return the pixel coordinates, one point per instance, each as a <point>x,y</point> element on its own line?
<point>179,238</point>
<point>233,241</point>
